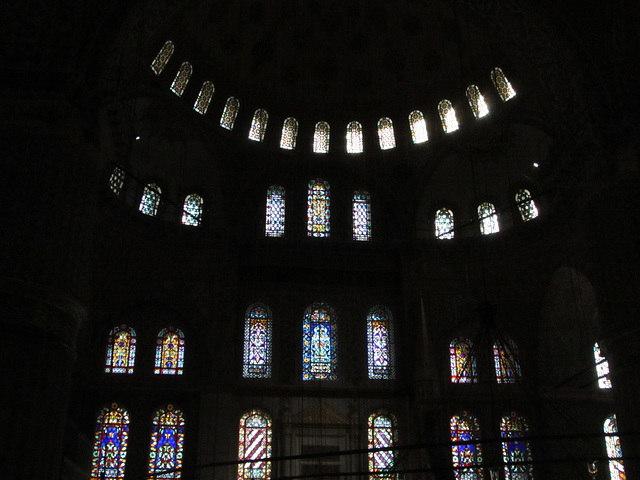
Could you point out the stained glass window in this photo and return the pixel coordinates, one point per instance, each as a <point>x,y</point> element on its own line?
<point>418,127</point>
<point>150,199</point>
<point>505,359</point>
<point>192,210</point>
<point>463,361</point>
<point>204,98</point>
<point>361,216</point>
<point>466,457</point>
<point>257,342</point>
<point>182,78</point>
<point>381,434</point>
<point>380,344</point>
<point>230,113</point>
<point>163,57</point>
<point>444,224</point>
<point>258,125</point>
<point>110,444</point>
<point>526,205</point>
<point>169,352</point>
<point>275,215</point>
<point>505,90</point>
<point>321,138</point>
<point>318,209</point>
<point>476,102</point>
<point>116,181</point>
<point>289,134</point>
<point>254,443</point>
<point>386,135</point>
<point>121,350</point>
<point>354,138</point>
<point>488,219</point>
<point>516,452</point>
<point>319,344</point>
<point>447,116</point>
<point>602,368</point>
<point>167,442</point>
<point>614,449</point>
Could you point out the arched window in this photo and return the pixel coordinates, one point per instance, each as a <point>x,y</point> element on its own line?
<point>447,116</point>
<point>182,78</point>
<point>386,135</point>
<point>275,215</point>
<point>319,344</point>
<point>516,452</point>
<point>614,449</point>
<point>382,433</point>
<point>229,114</point>
<point>110,444</point>
<point>380,344</point>
<point>150,199</point>
<point>121,350</point>
<point>444,224</point>
<point>257,342</point>
<point>602,368</point>
<point>505,359</point>
<point>488,219</point>
<point>289,134</point>
<point>321,138</point>
<point>526,205</point>
<point>418,127</point>
<point>254,442</point>
<point>163,57</point>
<point>192,210</point>
<point>462,361</point>
<point>354,138</point>
<point>167,443</point>
<point>204,98</point>
<point>116,181</point>
<point>476,102</point>
<point>361,216</point>
<point>505,90</point>
<point>466,457</point>
<point>318,209</point>
<point>258,125</point>
<point>169,352</point>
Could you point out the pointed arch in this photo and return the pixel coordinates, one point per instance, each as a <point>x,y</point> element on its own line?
<point>386,134</point>
<point>467,456</point>
<point>319,343</point>
<point>254,442</point>
<point>602,368</point>
<point>418,127</point>
<point>321,138</point>
<point>476,102</point>
<point>258,125</point>
<point>167,443</point>
<point>182,79</point>
<point>289,134</point>
<point>488,218</point>
<point>163,57</point>
<point>354,137</point>
<point>192,210</point>
<point>381,433</point>
<point>150,199</point>
<point>447,116</point>
<point>516,452</point>
<point>121,350</point>
<point>361,215</point>
<point>318,209</point>
<point>381,344</point>
<point>110,444</point>
<point>505,359</point>
<point>526,205</point>
<point>275,214</point>
<point>444,224</point>
<point>229,114</point>
<point>169,352</point>
<point>614,448</point>
<point>116,180</point>
<point>204,97</point>
<point>462,361</point>
<point>257,342</point>
<point>503,86</point>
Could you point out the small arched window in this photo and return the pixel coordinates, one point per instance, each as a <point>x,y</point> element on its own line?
<point>254,442</point>
<point>229,114</point>
<point>380,344</point>
<point>275,214</point>
<point>386,135</point>
<point>182,78</point>
<point>418,127</point>
<point>463,361</point>
<point>444,224</point>
<point>116,181</point>
<point>505,359</point>
<point>361,213</point>
<point>169,352</point>
<point>614,449</point>
<point>192,210</point>
<point>204,98</point>
<point>488,219</point>
<point>167,443</point>
<point>505,90</point>
<point>382,433</point>
<point>526,205</point>
<point>602,368</point>
<point>289,134</point>
<point>319,344</point>
<point>110,444</point>
<point>354,138</point>
<point>447,116</point>
<point>516,452</point>
<point>257,342</point>
<point>163,57</point>
<point>466,455</point>
<point>121,350</point>
<point>150,200</point>
<point>321,138</point>
<point>318,209</point>
<point>476,102</point>
<point>258,125</point>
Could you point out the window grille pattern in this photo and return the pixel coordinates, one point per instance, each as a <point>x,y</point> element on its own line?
<point>254,442</point>
<point>321,138</point>
<point>167,443</point>
<point>447,116</point>
<point>516,452</point>
<point>505,359</point>
<point>602,368</point>
<point>354,138</point>
<point>204,98</point>
<point>418,127</point>
<point>526,205</point>
<point>110,444</point>
<point>163,57</point>
<point>192,210</point>
<point>505,90</point>
<point>150,199</point>
<point>466,457</point>
<point>386,135</point>
<point>229,114</point>
<point>381,434</point>
<point>380,344</point>
<point>488,219</point>
<point>319,344</point>
<point>289,134</point>
<point>121,350</point>
<point>614,449</point>
<point>258,125</point>
<point>275,214</point>
<point>318,209</point>
<point>361,216</point>
<point>182,79</point>
<point>257,342</point>
<point>476,102</point>
<point>116,181</point>
<point>169,352</point>
<point>462,361</point>
<point>444,224</point>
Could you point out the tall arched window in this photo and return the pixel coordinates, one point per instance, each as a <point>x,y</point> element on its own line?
<point>204,98</point>
<point>257,342</point>
<point>380,344</point>
<point>614,449</point>
<point>275,214</point>
<point>602,368</point>
<point>382,433</point>
<point>462,361</point>
<point>319,344</point>
<point>258,125</point>
<point>444,224</point>
<point>110,444</point>
<point>516,452</point>
<point>169,352</point>
<point>121,350</point>
<point>116,181</point>
<point>361,214</point>
<point>447,116</point>
<point>476,102</point>
<point>321,138</point>
<point>192,210</point>
<point>163,57</point>
<point>386,135</point>
<point>289,134</point>
<point>167,443</point>
<point>354,138</point>
<point>254,442</point>
<point>488,219</point>
<point>150,199</point>
<point>318,209</point>
<point>182,78</point>
<point>526,205</point>
<point>229,114</point>
<point>505,90</point>
<point>505,359</point>
<point>466,457</point>
<point>418,127</point>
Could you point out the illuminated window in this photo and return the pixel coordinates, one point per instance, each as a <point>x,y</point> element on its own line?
<point>163,57</point>
<point>354,138</point>
<point>488,219</point>
<point>444,224</point>
<point>319,344</point>
<point>257,342</point>
<point>418,127</point>
<point>275,215</point>
<point>321,138</point>
<point>121,350</point>
<point>116,181</point>
<point>602,368</point>
<point>516,452</point>
<point>192,210</point>
<point>382,433</point>
<point>169,352</point>
<point>204,98</point>
<point>466,457</point>
<point>447,116</point>
<point>505,359</point>
<point>476,102</point>
<point>526,205</point>
<point>167,443</point>
<point>380,344</point>
<point>150,199</point>
<point>318,209</point>
<point>614,449</point>
<point>386,135</point>
<point>181,79</point>
<point>230,113</point>
<point>361,216</point>
<point>505,90</point>
<point>110,444</point>
<point>462,361</point>
<point>258,125</point>
<point>289,134</point>
<point>254,442</point>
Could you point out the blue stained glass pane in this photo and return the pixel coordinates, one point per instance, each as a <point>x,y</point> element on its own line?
<point>257,346</point>
<point>381,434</point>
<point>110,444</point>
<point>466,457</point>
<point>167,441</point>
<point>319,347</point>
<point>516,453</point>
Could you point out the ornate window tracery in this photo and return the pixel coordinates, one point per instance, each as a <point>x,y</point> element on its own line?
<point>444,224</point>
<point>614,448</point>
<point>418,127</point>
<point>204,98</point>
<point>382,433</point>
<point>380,344</point>
<point>504,88</point>
<point>254,442</point>
<point>386,134</point>
<point>192,210</point>
<point>447,116</point>
<point>110,444</point>
<point>505,359</point>
<point>516,452</point>
<point>229,114</point>
<point>275,212</point>
<point>476,102</point>
<point>163,57</point>
<point>462,361</point>
<point>289,134</point>
<point>488,219</point>
<point>319,344</point>
<point>321,137</point>
<point>354,138</point>
<point>318,209</point>
<point>361,214</point>
<point>467,456</point>
<point>121,350</point>
<point>150,200</point>
<point>257,342</point>
<point>526,205</point>
<point>167,443</point>
<point>258,125</point>
<point>182,79</point>
<point>169,352</point>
